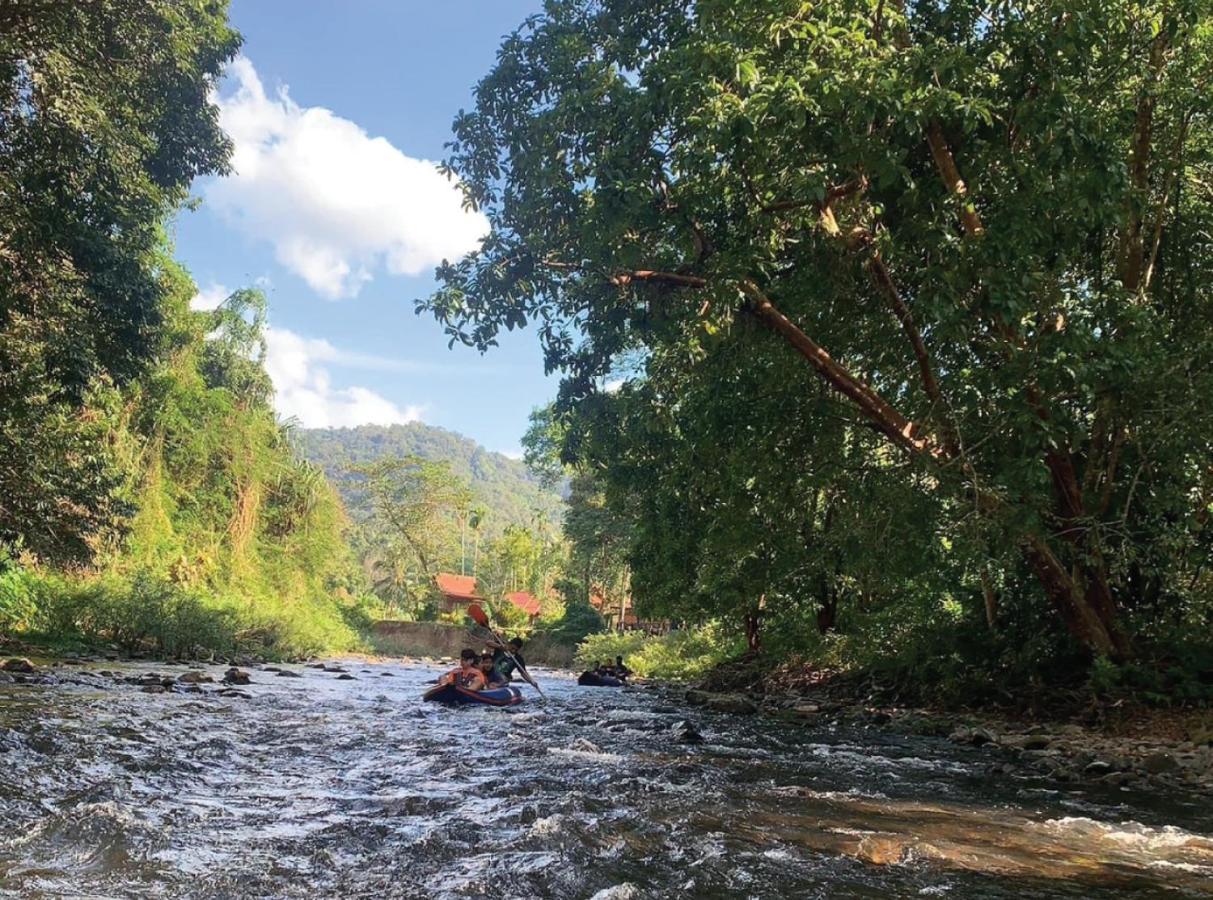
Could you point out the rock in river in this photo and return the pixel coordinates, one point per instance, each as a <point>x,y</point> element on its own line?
<point>975,736</point>
<point>18,664</point>
<point>1160,763</point>
<point>685,732</point>
<point>732,703</point>
<point>236,676</point>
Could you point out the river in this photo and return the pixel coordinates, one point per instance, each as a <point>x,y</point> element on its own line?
<point>321,787</point>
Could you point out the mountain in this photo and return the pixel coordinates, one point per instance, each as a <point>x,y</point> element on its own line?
<point>504,486</point>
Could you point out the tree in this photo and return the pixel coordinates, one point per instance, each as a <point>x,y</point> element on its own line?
<point>104,123</point>
<point>415,506</point>
<point>981,229</point>
<point>597,533</point>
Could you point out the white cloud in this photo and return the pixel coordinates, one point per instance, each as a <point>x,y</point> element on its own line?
<point>209,297</point>
<point>303,388</point>
<point>336,203</point>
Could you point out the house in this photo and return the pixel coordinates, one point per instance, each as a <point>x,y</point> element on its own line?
<point>528,603</point>
<point>624,619</point>
<point>458,591</point>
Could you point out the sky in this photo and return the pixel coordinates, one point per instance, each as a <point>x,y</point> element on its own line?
<point>334,208</point>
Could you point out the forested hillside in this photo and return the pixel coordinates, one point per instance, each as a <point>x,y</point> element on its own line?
<point>504,488</point>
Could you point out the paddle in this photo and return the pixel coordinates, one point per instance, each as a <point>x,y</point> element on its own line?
<point>480,617</point>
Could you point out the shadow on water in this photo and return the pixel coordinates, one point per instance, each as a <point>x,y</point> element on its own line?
<point>321,787</point>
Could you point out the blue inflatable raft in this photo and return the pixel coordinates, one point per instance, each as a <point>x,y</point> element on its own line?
<point>450,693</point>
<point>593,679</point>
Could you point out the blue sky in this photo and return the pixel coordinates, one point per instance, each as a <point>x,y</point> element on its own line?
<point>336,111</point>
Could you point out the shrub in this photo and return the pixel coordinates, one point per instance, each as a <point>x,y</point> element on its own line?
<point>679,655</point>
<point>17,607</point>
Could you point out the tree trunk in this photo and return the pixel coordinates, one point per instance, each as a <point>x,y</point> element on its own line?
<point>753,631</point>
<point>1082,597</point>
<point>991,598</point>
<point>827,607</point>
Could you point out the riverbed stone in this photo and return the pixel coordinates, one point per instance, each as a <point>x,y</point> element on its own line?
<point>154,689</point>
<point>974,736</point>
<point>1160,763</point>
<point>194,677</point>
<point>287,673</point>
<point>685,732</point>
<point>18,664</point>
<point>696,697</point>
<point>6,678</point>
<point>732,703</point>
<point>1202,736</point>
<point>236,676</point>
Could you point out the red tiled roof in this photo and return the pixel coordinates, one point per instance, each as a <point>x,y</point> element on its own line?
<point>457,587</point>
<point>528,603</point>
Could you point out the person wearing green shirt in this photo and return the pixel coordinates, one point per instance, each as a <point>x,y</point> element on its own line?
<point>503,664</point>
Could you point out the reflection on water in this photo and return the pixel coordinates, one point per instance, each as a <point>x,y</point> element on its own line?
<point>320,787</point>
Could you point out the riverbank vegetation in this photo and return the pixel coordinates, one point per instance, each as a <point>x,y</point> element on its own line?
<point>886,331</point>
<point>679,655</point>
<point>148,496</point>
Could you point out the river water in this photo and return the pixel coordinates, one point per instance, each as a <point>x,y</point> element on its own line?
<point>320,787</point>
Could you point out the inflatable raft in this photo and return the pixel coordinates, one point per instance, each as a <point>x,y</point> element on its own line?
<point>450,693</point>
<point>593,679</point>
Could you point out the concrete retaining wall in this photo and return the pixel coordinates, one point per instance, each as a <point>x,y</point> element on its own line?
<point>437,639</point>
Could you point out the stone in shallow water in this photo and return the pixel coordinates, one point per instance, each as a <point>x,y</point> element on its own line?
<point>685,732</point>
<point>975,736</point>
<point>1160,763</point>
<point>732,703</point>
<point>236,676</point>
<point>17,664</point>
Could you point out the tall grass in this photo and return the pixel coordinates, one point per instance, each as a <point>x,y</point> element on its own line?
<point>144,612</point>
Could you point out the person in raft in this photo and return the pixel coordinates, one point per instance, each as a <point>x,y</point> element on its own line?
<point>503,665</point>
<point>491,678</point>
<point>468,675</point>
<point>621,671</point>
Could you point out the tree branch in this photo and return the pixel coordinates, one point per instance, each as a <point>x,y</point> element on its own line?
<point>946,164</point>
<point>622,279</point>
<point>903,432</point>
<point>1132,244</point>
